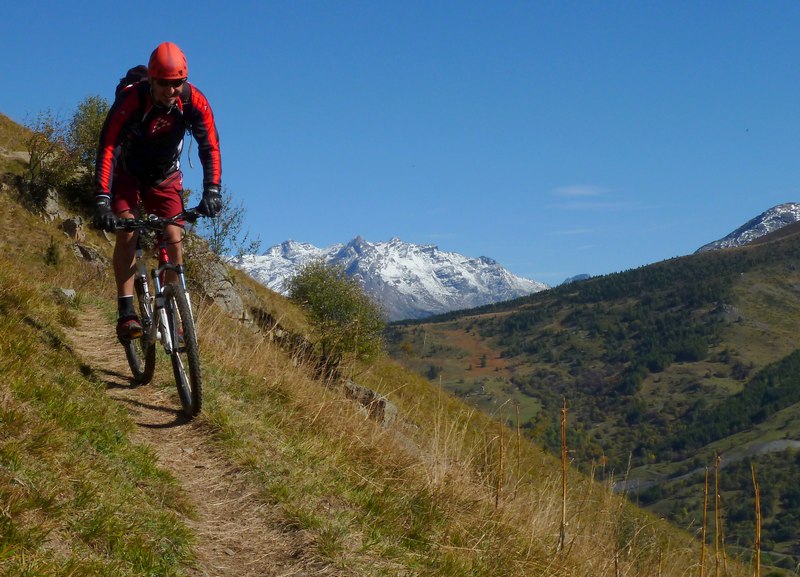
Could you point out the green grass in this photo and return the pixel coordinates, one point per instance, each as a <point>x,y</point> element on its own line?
<point>78,497</point>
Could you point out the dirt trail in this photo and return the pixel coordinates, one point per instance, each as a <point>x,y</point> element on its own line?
<point>237,535</point>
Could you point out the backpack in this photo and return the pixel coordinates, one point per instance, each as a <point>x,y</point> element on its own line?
<point>133,76</point>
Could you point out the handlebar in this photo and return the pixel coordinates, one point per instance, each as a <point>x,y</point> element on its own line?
<point>156,223</point>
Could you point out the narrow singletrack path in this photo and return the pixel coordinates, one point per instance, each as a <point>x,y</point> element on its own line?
<point>237,534</point>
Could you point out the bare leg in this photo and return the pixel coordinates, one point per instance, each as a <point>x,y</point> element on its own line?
<point>173,235</point>
<point>124,256</point>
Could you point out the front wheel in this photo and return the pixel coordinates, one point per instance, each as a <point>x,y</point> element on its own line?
<point>185,354</point>
<point>141,352</point>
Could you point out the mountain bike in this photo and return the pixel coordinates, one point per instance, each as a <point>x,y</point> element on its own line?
<point>165,314</point>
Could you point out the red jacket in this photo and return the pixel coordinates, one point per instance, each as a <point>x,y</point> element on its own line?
<point>147,140</point>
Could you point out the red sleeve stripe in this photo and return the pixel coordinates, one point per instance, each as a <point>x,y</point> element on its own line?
<point>204,130</point>
<point>122,112</point>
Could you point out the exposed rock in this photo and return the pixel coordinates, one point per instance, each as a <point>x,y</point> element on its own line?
<point>301,351</point>
<point>21,156</point>
<point>217,284</point>
<point>728,313</point>
<point>73,228</point>
<point>376,405</point>
<point>51,207</point>
<point>407,280</point>
<point>761,227</point>
<point>91,254</point>
<point>65,295</point>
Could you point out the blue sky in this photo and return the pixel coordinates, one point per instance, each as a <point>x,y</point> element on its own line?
<point>556,137</point>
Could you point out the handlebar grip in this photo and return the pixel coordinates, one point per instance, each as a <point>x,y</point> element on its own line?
<point>124,223</point>
<point>191,214</point>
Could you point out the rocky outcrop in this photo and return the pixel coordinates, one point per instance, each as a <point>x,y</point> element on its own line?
<point>217,285</point>
<point>73,228</point>
<point>376,406</point>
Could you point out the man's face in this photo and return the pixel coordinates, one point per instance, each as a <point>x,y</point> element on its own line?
<point>166,92</point>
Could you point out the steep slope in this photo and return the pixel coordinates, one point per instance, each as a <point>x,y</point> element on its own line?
<point>98,478</point>
<point>662,367</point>
<point>408,280</point>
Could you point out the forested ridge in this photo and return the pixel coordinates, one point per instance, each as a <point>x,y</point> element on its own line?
<point>656,364</point>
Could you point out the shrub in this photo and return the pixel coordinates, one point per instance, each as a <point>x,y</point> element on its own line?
<point>50,164</point>
<point>225,234</point>
<point>346,320</point>
<point>62,153</point>
<point>82,140</point>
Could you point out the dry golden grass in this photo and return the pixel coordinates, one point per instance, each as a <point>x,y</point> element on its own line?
<point>441,459</point>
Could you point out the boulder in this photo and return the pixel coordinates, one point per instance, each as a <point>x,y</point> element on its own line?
<point>376,405</point>
<point>73,228</point>
<point>51,207</point>
<point>218,286</point>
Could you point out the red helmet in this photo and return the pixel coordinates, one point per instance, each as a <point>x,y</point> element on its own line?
<point>168,62</point>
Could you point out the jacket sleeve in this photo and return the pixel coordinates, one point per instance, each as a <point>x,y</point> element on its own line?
<point>122,112</point>
<point>204,131</point>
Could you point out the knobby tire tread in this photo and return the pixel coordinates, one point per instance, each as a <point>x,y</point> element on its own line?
<point>141,352</point>
<point>190,386</point>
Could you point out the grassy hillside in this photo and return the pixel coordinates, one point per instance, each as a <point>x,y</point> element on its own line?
<point>663,367</point>
<point>443,491</point>
<point>12,146</point>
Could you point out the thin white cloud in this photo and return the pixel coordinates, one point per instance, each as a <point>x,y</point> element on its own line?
<point>588,197</point>
<point>574,190</point>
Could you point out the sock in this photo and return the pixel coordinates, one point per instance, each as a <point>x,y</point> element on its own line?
<point>125,306</point>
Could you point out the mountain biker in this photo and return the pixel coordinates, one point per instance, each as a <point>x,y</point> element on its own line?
<point>138,159</point>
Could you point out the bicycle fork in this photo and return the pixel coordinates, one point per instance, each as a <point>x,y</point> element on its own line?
<point>168,340</point>
<point>140,278</point>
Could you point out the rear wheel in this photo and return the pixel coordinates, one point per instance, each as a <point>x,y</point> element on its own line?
<point>185,355</point>
<point>141,352</point>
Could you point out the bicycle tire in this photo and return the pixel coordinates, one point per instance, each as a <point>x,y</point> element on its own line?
<point>185,354</point>
<point>141,352</point>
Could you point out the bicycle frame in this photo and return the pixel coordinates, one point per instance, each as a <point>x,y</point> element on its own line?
<point>157,327</point>
<point>166,314</point>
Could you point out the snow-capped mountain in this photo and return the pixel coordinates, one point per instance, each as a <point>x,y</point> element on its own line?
<point>765,223</point>
<point>407,280</point>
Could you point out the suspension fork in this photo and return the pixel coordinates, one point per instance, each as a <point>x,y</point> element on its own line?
<point>159,274</point>
<point>140,278</point>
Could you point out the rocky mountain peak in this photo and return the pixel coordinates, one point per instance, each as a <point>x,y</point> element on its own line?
<point>767,222</point>
<point>407,280</point>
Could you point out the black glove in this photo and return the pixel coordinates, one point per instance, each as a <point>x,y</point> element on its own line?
<point>103,217</point>
<point>211,203</point>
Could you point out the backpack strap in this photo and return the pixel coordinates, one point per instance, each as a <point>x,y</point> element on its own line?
<point>186,102</point>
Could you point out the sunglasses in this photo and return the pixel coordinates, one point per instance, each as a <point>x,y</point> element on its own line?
<point>171,83</point>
